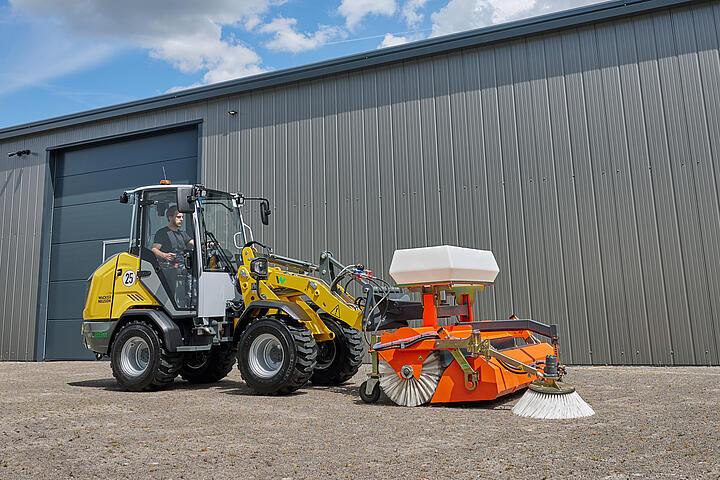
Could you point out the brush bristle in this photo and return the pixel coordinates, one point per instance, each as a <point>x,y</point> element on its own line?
<point>552,406</point>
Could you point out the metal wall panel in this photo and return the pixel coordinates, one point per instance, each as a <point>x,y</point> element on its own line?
<point>586,159</point>
<point>542,150</point>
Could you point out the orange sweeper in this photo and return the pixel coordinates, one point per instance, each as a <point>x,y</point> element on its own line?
<point>452,358</point>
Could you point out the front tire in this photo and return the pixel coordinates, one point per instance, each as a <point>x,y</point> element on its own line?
<point>209,366</point>
<point>339,359</point>
<point>276,358</point>
<point>139,360</point>
<point>371,397</point>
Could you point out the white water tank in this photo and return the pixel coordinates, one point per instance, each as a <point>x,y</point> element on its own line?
<point>443,265</point>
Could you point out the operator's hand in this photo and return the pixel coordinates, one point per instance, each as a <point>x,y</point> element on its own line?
<point>168,256</point>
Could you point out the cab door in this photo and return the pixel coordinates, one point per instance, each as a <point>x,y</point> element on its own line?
<point>173,280</point>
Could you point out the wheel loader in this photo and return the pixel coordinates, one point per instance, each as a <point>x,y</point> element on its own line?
<point>195,293</point>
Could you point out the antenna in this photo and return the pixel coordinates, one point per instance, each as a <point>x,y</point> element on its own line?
<point>164,174</point>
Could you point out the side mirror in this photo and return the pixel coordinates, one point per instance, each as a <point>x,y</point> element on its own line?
<point>124,198</point>
<point>265,211</point>
<point>185,200</point>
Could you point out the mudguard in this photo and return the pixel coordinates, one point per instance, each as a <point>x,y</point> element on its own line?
<point>172,337</point>
<point>260,307</point>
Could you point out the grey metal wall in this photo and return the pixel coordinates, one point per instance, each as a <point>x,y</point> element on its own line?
<point>587,160</point>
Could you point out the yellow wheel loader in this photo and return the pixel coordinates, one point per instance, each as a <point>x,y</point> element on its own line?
<point>194,292</point>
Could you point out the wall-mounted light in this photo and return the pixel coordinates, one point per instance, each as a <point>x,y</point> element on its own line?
<point>232,113</point>
<point>19,153</point>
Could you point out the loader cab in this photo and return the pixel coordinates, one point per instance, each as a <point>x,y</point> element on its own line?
<point>189,240</point>
<point>164,239</point>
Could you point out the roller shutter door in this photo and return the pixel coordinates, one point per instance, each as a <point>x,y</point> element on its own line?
<point>89,224</point>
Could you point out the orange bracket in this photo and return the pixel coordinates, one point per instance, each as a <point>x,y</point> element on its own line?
<point>429,310</point>
<point>466,299</point>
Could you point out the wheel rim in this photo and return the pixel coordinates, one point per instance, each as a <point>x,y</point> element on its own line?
<point>326,354</point>
<point>135,357</point>
<point>266,356</point>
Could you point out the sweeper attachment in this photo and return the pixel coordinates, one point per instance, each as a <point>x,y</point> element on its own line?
<point>466,361</point>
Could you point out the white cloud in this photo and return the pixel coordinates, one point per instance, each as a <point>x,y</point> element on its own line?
<point>252,21</point>
<point>187,34</point>
<point>511,9</point>
<point>411,12</point>
<point>355,10</point>
<point>459,15</point>
<point>391,40</point>
<point>288,39</point>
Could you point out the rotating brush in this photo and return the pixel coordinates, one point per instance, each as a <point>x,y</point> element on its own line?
<point>549,399</point>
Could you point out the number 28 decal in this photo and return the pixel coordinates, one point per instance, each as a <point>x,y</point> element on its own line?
<point>129,278</point>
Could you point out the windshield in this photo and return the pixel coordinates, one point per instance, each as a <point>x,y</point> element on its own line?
<point>221,230</point>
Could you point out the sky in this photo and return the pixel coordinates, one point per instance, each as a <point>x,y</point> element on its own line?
<point>61,57</point>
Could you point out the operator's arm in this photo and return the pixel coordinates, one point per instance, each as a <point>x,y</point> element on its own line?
<point>160,254</point>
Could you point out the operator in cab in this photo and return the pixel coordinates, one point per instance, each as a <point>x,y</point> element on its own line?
<point>171,241</point>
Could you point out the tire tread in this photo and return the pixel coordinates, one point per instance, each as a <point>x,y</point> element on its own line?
<point>168,367</point>
<point>305,357</point>
<point>222,359</point>
<point>353,345</point>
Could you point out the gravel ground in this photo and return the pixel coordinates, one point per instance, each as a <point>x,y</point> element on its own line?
<point>68,419</point>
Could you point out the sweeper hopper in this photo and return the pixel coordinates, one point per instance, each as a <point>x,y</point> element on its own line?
<point>462,360</point>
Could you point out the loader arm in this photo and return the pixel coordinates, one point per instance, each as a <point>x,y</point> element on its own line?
<point>298,288</point>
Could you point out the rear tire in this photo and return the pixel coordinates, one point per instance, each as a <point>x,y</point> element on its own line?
<point>339,359</point>
<point>276,358</point>
<point>209,366</point>
<point>139,360</point>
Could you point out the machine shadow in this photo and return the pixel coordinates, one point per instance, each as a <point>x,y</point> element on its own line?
<point>239,388</point>
<point>506,402</point>
<point>352,391</point>
<point>233,387</point>
<point>109,384</point>
<point>226,386</point>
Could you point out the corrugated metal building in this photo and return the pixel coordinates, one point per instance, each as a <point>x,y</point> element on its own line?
<point>581,147</point>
